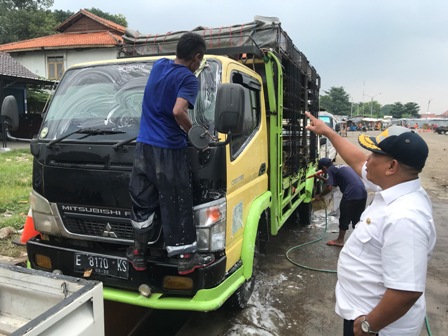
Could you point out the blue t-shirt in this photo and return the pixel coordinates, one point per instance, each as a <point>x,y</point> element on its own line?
<point>348,181</point>
<point>167,81</point>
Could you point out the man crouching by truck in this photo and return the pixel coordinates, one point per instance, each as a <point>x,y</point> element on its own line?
<point>354,195</point>
<point>382,266</point>
<point>160,177</point>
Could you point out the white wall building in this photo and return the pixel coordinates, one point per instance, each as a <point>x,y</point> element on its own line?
<point>83,37</point>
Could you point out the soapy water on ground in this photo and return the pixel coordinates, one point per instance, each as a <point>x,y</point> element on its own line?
<point>260,318</point>
<point>319,221</point>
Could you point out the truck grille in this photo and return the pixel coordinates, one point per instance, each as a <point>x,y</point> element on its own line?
<point>99,229</point>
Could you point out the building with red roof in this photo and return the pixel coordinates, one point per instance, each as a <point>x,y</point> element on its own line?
<point>82,37</point>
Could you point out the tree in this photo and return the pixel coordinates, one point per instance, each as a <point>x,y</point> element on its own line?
<point>397,110</point>
<point>61,15</point>
<point>36,99</point>
<point>26,4</point>
<point>117,18</point>
<point>374,109</point>
<point>336,101</point>
<point>25,19</point>
<point>386,109</point>
<point>361,109</point>
<point>412,110</point>
<point>408,110</point>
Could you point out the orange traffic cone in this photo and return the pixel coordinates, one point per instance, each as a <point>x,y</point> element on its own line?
<point>28,230</point>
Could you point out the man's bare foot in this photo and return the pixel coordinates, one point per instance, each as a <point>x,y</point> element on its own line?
<point>335,243</point>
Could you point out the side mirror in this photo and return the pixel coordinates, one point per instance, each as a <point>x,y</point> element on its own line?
<point>10,113</point>
<point>199,137</point>
<point>229,109</point>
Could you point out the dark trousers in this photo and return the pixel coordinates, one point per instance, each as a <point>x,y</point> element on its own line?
<point>350,211</point>
<point>348,328</point>
<point>161,180</point>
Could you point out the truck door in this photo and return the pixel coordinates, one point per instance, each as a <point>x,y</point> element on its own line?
<point>246,162</point>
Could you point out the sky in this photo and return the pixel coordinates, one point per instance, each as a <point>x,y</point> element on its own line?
<point>386,50</point>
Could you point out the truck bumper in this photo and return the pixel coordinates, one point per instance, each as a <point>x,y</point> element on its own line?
<point>204,300</point>
<point>124,288</point>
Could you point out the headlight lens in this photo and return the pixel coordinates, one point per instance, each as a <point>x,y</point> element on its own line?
<point>210,221</point>
<point>43,217</point>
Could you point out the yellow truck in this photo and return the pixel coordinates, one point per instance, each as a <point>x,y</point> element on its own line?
<point>250,155</point>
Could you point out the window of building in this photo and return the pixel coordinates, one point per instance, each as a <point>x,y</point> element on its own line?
<point>55,67</point>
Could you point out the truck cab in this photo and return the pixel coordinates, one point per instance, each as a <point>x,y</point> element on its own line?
<point>326,147</point>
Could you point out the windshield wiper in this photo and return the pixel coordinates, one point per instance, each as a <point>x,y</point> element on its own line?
<point>87,131</point>
<point>123,142</point>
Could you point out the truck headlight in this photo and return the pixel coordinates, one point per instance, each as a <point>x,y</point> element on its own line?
<point>210,222</point>
<point>43,214</point>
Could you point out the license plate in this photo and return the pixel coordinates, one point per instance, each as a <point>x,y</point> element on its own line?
<point>115,267</point>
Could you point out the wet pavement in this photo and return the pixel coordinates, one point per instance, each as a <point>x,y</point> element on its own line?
<point>288,299</point>
<point>293,300</point>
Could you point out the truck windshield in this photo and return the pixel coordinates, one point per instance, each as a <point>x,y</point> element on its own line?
<point>327,120</point>
<point>110,97</point>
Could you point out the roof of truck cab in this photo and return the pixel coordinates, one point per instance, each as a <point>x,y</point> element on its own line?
<point>138,59</point>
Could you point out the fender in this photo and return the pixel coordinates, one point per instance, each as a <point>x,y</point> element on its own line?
<point>259,205</point>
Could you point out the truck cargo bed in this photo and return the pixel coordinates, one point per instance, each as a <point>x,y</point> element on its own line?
<point>40,303</point>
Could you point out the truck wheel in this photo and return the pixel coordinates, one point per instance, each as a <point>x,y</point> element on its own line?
<point>303,213</point>
<point>241,297</point>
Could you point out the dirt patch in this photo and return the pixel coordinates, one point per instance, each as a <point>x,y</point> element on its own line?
<point>13,251</point>
<point>435,173</point>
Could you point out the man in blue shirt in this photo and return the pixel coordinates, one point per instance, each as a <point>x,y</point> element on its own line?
<point>160,183</point>
<point>354,195</point>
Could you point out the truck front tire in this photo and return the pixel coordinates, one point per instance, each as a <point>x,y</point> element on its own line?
<point>240,298</point>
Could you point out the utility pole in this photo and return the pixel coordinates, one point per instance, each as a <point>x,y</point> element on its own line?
<point>371,102</point>
<point>351,107</point>
<point>427,110</point>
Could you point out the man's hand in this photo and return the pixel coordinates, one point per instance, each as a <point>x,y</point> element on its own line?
<point>350,153</point>
<point>317,126</point>
<point>357,331</point>
<point>180,112</point>
<point>393,305</point>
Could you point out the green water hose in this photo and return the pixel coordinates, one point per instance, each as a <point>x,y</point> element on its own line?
<point>309,243</point>
<point>428,329</point>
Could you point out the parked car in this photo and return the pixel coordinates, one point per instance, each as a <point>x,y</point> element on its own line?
<point>441,129</point>
<point>326,147</point>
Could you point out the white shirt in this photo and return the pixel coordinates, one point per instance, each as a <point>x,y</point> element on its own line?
<point>390,248</point>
